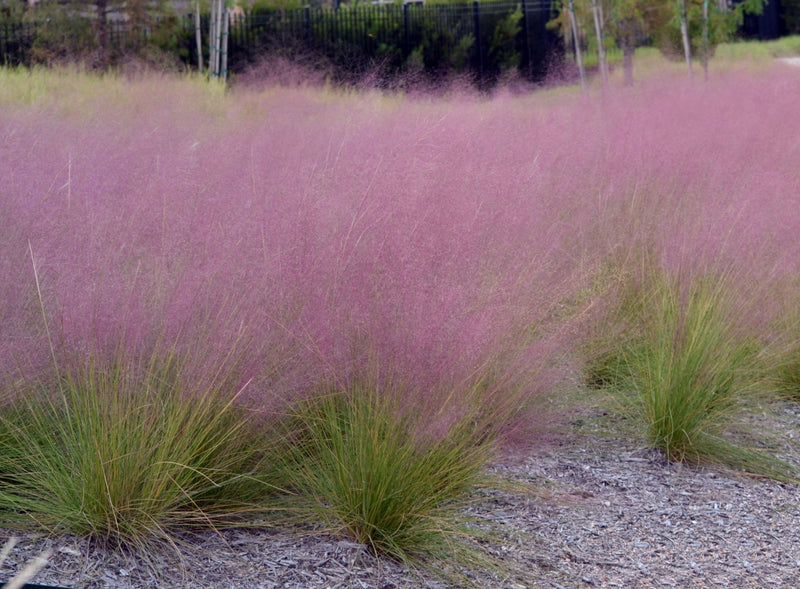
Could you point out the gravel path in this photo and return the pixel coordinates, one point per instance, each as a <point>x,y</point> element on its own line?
<point>603,512</point>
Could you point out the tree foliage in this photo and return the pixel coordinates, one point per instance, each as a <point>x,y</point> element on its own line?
<point>503,49</point>
<point>628,24</point>
<point>69,30</point>
<point>791,16</point>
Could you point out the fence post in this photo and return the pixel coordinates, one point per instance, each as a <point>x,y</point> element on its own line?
<point>527,36</point>
<point>406,37</point>
<point>307,18</point>
<point>476,13</point>
<point>101,8</point>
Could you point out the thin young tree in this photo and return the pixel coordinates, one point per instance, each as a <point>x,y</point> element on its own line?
<point>578,53</point>
<point>720,22</point>
<point>601,52</point>
<point>705,50</point>
<point>628,22</point>
<point>632,21</point>
<point>687,47</point>
<point>627,34</point>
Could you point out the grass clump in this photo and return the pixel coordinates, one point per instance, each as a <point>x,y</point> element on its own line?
<point>685,372</point>
<point>361,464</point>
<point>685,369</point>
<point>786,374</point>
<point>126,451</point>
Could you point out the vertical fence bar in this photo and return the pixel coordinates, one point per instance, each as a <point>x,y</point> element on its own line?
<point>307,22</point>
<point>246,30</point>
<point>406,38</point>
<point>362,30</point>
<point>524,32</point>
<point>476,15</point>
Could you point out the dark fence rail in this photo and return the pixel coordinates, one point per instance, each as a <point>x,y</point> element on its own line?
<point>486,38</point>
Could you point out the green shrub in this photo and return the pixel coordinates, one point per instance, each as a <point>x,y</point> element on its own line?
<point>503,48</point>
<point>127,451</point>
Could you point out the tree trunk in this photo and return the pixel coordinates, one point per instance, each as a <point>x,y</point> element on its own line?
<point>212,35</point>
<point>578,53</point>
<point>602,26</point>
<point>627,61</point>
<point>687,48</point>
<point>705,40</point>
<point>601,54</point>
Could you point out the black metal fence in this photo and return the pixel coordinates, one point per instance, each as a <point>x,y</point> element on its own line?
<point>16,41</point>
<point>484,38</point>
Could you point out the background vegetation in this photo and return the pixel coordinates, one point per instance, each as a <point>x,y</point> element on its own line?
<point>486,42</point>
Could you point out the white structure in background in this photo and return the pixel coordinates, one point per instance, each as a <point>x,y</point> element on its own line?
<point>219,23</point>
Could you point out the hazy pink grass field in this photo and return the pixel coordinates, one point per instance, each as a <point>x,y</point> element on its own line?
<point>437,242</point>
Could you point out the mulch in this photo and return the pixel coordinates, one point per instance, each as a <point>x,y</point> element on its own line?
<point>603,511</point>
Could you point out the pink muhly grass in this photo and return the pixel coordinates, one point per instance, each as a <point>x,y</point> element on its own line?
<point>439,237</point>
